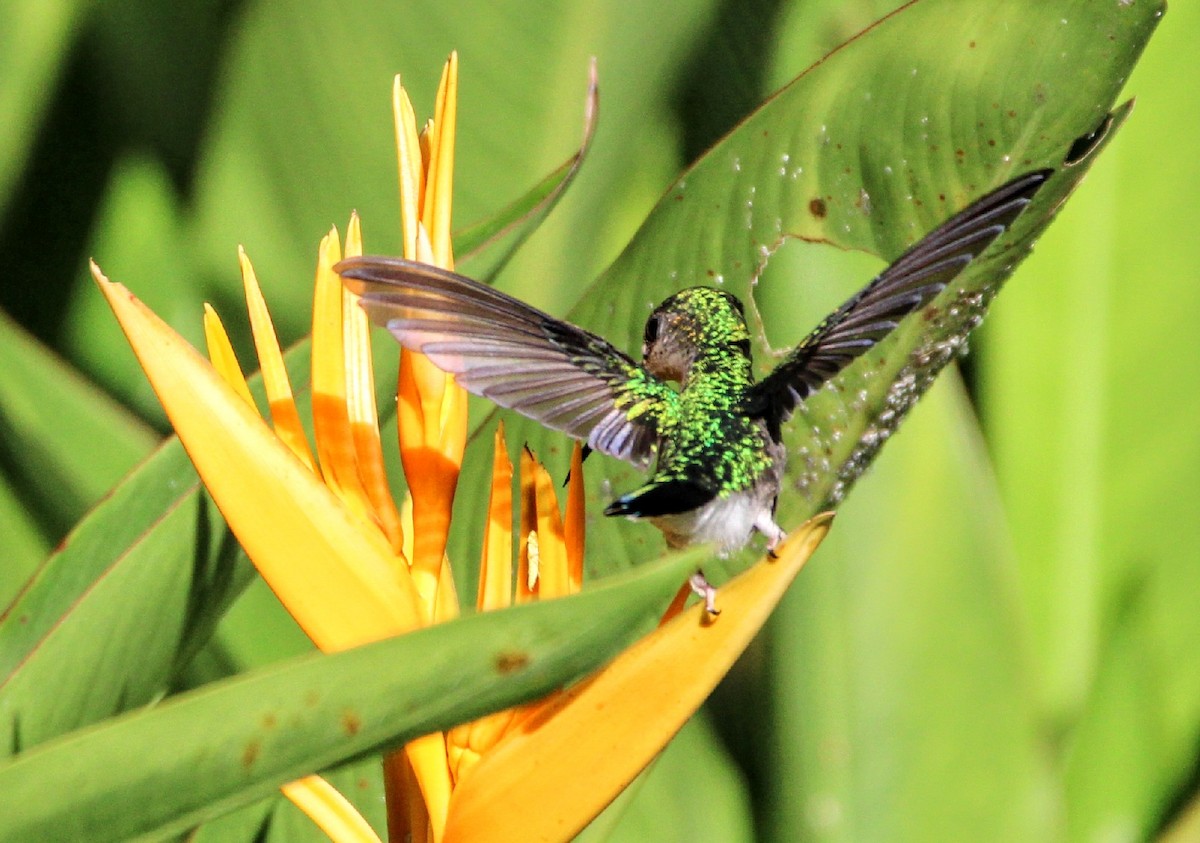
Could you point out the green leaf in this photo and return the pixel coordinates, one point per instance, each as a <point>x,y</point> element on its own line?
<point>34,46</point>
<point>895,703</point>
<point>138,238</point>
<point>64,443</point>
<point>203,753</point>
<point>107,620</point>
<point>133,593</point>
<point>294,147</point>
<point>25,543</point>
<point>868,150</point>
<point>1087,385</point>
<point>485,247</point>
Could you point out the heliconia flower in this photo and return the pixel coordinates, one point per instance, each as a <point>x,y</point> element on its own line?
<point>352,566</point>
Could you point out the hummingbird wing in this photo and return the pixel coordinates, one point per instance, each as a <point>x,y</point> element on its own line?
<point>496,346</point>
<point>910,283</point>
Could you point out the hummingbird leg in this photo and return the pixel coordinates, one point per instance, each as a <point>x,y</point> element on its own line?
<point>704,589</point>
<point>766,525</point>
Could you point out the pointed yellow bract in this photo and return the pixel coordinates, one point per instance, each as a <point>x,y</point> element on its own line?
<point>335,580</point>
<point>574,526</point>
<point>331,811</point>
<point>284,415</point>
<point>351,567</point>
<point>220,353</point>
<point>495,568</point>
<point>360,405</point>
<point>432,408</point>
<point>548,778</point>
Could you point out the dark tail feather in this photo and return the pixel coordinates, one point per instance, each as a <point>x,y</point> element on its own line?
<point>661,497</point>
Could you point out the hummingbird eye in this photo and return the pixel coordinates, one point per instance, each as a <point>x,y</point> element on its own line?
<point>651,331</point>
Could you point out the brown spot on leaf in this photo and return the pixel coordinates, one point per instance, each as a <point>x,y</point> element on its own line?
<point>270,721</point>
<point>351,723</point>
<point>250,754</point>
<point>511,661</point>
<point>817,208</point>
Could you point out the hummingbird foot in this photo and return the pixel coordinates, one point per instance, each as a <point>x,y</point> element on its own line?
<point>766,525</point>
<point>703,589</point>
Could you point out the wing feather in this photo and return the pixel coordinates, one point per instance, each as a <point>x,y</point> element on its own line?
<point>911,282</point>
<point>498,347</point>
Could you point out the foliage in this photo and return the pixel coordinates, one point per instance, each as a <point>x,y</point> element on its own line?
<point>993,643</point>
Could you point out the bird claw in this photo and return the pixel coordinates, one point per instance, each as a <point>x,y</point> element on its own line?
<point>774,542</point>
<point>703,589</point>
<point>774,533</point>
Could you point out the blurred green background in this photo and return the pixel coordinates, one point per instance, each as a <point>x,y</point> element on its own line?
<point>997,640</point>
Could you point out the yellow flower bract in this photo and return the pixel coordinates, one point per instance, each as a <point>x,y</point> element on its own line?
<point>352,567</point>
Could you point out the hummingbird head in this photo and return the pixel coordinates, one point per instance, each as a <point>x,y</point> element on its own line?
<point>695,323</point>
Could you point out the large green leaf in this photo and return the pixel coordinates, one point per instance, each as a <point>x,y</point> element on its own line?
<point>34,46</point>
<point>104,623</point>
<point>868,150</point>
<point>295,146</point>
<point>1111,614</point>
<point>51,422</point>
<point>108,620</point>
<point>484,248</point>
<point>1088,395</point>
<point>197,755</point>
<point>138,238</point>
<point>897,703</point>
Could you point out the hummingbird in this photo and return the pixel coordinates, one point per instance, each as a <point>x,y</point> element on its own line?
<point>691,405</point>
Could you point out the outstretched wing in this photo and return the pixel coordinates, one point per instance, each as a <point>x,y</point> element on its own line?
<point>549,370</point>
<point>910,283</point>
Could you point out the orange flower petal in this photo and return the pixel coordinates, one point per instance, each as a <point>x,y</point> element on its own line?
<point>432,477</point>
<point>574,528</point>
<point>360,404</point>
<point>284,416</point>
<point>407,817</point>
<point>561,767</point>
<point>331,811</point>
<point>333,576</point>
<point>553,579</point>
<point>495,568</point>
<point>446,606</point>
<point>440,179</point>
<point>220,352</point>
<point>528,553</point>
<point>408,157</point>
<point>331,418</point>
<point>427,755</point>
<point>469,742</point>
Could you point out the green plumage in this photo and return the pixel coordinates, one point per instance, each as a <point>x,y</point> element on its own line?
<point>716,440</point>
